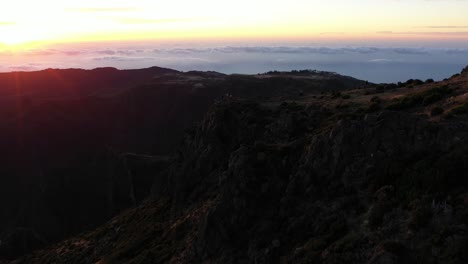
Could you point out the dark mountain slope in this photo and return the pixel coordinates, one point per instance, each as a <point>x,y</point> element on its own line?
<point>335,178</point>
<point>66,136</point>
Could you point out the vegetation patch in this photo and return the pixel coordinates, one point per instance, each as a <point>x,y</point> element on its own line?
<point>373,107</point>
<point>465,70</point>
<point>419,217</point>
<point>437,111</point>
<point>410,83</point>
<point>458,110</point>
<point>420,99</point>
<point>376,99</point>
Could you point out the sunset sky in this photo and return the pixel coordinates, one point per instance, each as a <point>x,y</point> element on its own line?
<point>25,21</point>
<point>378,40</point>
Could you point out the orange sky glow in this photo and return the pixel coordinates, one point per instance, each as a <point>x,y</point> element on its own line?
<point>28,23</point>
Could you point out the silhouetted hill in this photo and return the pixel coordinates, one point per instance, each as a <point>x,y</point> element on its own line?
<point>73,83</point>
<point>66,136</point>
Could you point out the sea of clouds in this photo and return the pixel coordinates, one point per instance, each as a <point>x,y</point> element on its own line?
<point>376,64</point>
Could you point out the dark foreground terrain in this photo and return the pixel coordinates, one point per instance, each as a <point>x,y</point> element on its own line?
<point>300,167</point>
<point>79,146</point>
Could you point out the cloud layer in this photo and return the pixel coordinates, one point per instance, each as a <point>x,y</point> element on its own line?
<point>378,64</point>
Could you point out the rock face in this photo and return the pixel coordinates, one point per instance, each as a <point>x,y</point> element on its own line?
<point>292,184</point>
<point>328,196</point>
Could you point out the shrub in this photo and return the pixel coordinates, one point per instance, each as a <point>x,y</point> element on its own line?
<point>315,244</point>
<point>391,86</point>
<point>375,215</point>
<point>292,106</point>
<point>373,107</point>
<point>432,98</point>
<point>458,110</point>
<point>405,103</point>
<point>421,98</point>
<point>376,99</point>
<point>429,81</point>
<point>398,249</point>
<point>335,94</point>
<point>465,70</point>
<point>345,96</point>
<point>342,106</point>
<point>361,110</point>
<point>437,111</point>
<point>347,243</point>
<point>419,217</point>
<point>412,82</point>
<point>374,104</point>
<point>380,88</point>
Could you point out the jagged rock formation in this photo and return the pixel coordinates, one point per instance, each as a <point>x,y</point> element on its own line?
<point>341,178</point>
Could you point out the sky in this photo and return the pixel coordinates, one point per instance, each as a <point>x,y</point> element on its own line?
<point>22,21</point>
<point>35,34</point>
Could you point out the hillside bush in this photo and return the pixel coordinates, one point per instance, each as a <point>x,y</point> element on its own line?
<point>437,111</point>
<point>422,98</point>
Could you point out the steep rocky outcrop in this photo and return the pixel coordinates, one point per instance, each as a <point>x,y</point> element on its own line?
<point>349,193</point>
<point>295,183</point>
